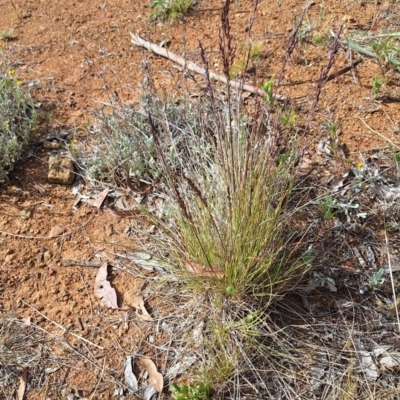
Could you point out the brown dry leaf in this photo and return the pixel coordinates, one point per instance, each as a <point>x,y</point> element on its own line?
<point>138,305</point>
<point>155,378</point>
<point>103,289</point>
<point>55,231</point>
<point>98,199</point>
<point>199,269</point>
<point>22,385</point>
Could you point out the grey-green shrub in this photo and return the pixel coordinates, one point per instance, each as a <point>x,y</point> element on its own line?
<point>17,119</point>
<point>122,141</point>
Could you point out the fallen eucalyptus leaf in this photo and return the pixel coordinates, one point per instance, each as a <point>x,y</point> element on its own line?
<point>390,361</point>
<point>118,392</point>
<point>141,312</point>
<point>98,199</point>
<point>365,363</point>
<point>155,378</point>
<point>130,378</point>
<point>180,367</point>
<point>149,393</point>
<point>51,370</point>
<point>103,289</point>
<point>22,385</point>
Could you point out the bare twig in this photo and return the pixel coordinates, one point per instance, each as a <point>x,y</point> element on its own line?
<point>195,68</point>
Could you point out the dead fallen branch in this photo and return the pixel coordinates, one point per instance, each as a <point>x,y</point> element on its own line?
<point>195,68</point>
<point>71,263</point>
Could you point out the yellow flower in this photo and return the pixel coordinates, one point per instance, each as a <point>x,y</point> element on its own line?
<point>74,140</point>
<point>360,165</point>
<point>19,83</point>
<point>7,126</point>
<point>1,45</point>
<point>11,72</point>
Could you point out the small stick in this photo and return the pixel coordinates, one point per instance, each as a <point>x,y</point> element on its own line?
<point>195,68</point>
<point>70,263</point>
<point>78,320</point>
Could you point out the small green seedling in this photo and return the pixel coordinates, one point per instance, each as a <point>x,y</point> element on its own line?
<point>376,85</point>
<point>268,90</point>
<point>183,391</point>
<point>376,279</point>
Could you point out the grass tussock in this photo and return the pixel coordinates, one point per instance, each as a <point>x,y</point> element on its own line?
<point>227,193</point>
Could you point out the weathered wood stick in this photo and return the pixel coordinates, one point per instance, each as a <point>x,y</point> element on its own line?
<point>138,41</point>
<point>71,263</point>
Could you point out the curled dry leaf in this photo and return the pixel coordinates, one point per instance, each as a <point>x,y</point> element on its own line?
<point>98,199</point>
<point>155,378</point>
<point>201,270</point>
<point>141,312</point>
<point>103,289</point>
